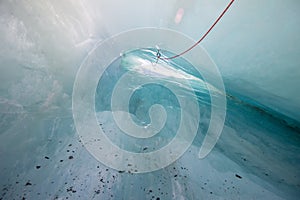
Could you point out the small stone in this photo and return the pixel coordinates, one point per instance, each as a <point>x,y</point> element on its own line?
<point>238,176</point>
<point>28,183</point>
<point>97,191</point>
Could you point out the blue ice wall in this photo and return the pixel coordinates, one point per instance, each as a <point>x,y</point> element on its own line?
<point>256,47</point>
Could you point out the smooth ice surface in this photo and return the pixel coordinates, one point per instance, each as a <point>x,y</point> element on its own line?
<point>256,47</point>
<point>256,157</point>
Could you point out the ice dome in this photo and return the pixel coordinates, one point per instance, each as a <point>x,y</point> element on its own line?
<point>88,110</point>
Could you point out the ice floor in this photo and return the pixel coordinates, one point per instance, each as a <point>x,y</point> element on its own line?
<point>257,157</point>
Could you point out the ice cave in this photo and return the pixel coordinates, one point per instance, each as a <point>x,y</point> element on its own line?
<point>149,99</point>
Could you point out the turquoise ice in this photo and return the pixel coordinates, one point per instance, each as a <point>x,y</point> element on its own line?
<point>256,48</point>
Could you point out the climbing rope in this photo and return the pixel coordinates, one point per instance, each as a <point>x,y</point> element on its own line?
<point>218,19</point>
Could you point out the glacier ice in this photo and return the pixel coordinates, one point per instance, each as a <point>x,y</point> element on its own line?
<point>256,48</point>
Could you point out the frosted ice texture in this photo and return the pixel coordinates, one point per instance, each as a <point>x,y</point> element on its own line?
<point>256,47</point>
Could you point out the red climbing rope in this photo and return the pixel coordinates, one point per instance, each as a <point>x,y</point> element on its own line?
<point>218,19</point>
